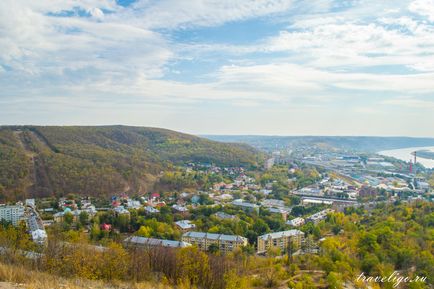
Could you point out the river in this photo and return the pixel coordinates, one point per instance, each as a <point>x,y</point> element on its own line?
<point>405,155</point>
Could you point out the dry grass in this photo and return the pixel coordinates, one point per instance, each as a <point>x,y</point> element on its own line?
<point>20,277</point>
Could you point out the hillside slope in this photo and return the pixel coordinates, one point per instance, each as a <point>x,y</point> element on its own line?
<point>103,160</point>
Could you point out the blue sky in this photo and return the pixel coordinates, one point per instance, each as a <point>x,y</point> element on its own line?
<point>273,67</point>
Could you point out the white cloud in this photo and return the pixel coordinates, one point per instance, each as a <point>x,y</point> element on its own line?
<point>357,45</point>
<point>424,8</point>
<point>96,13</point>
<point>34,43</point>
<point>113,58</point>
<point>175,14</point>
<point>410,103</point>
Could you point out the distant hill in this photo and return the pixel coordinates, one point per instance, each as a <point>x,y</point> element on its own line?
<point>362,143</point>
<point>102,160</point>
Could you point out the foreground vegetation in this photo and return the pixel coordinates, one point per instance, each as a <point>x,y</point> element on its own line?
<point>22,277</point>
<point>395,237</point>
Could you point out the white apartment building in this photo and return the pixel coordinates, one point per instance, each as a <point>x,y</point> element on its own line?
<point>12,213</point>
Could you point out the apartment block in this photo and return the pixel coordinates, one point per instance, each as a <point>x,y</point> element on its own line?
<point>225,243</point>
<point>282,240</point>
<point>12,213</point>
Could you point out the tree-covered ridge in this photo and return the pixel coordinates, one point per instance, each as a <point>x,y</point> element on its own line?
<point>101,160</point>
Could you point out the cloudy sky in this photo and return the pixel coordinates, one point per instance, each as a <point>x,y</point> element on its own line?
<point>314,67</point>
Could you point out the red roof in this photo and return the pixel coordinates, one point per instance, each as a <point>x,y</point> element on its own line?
<point>160,204</point>
<point>106,227</point>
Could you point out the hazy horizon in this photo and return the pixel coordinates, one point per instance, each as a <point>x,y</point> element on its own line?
<point>244,67</point>
<point>223,134</point>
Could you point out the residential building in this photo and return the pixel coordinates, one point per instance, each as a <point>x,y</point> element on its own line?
<point>30,203</point>
<point>180,209</point>
<point>270,203</point>
<point>282,240</point>
<point>224,216</point>
<point>133,204</point>
<point>245,205</point>
<point>151,210</point>
<point>39,236</point>
<point>297,222</point>
<point>185,225</point>
<point>151,242</point>
<point>269,163</point>
<point>120,210</point>
<point>12,213</point>
<point>317,217</point>
<point>87,207</point>
<point>224,197</point>
<point>315,201</point>
<point>225,243</point>
<point>279,211</point>
<point>58,217</point>
<point>35,225</point>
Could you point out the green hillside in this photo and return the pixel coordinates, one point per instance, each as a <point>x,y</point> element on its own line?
<point>103,160</point>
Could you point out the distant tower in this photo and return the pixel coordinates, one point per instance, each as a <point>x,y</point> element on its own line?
<point>415,161</point>
<point>411,167</point>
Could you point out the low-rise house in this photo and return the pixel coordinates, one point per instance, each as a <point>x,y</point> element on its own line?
<point>184,195</point>
<point>35,225</point>
<point>151,210</point>
<point>180,209</point>
<point>269,203</point>
<point>195,199</point>
<point>310,191</point>
<point>48,210</point>
<point>59,217</point>
<point>309,201</point>
<point>65,204</point>
<point>424,186</point>
<point>225,243</point>
<point>219,186</point>
<point>266,192</point>
<point>279,211</point>
<point>39,236</point>
<point>245,205</point>
<point>30,203</point>
<point>282,240</point>
<point>88,208</point>
<point>224,216</point>
<point>317,217</point>
<point>155,196</point>
<point>120,210</point>
<point>151,242</point>
<point>185,225</point>
<point>47,223</point>
<point>132,204</point>
<point>224,197</point>
<point>297,222</point>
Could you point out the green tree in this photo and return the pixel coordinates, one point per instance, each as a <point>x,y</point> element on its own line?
<point>84,218</point>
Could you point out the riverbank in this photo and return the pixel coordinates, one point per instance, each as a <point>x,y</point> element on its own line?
<point>405,154</point>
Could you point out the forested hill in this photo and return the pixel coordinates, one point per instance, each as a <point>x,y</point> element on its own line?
<point>103,160</point>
